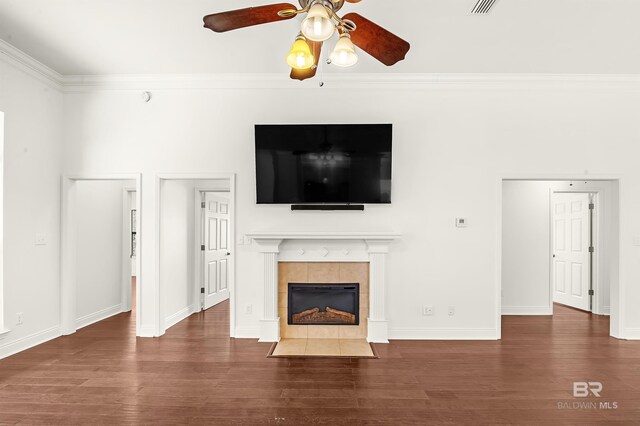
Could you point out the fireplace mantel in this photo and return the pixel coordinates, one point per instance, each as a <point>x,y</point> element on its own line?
<point>320,235</point>
<point>377,247</point>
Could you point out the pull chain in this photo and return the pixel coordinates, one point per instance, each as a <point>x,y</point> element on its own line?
<point>321,65</point>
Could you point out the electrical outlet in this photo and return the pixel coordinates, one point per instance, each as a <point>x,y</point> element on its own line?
<point>452,311</point>
<point>461,222</point>
<point>19,318</point>
<point>248,309</point>
<point>427,310</point>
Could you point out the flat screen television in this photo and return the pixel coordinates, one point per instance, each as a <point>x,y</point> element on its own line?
<point>323,164</point>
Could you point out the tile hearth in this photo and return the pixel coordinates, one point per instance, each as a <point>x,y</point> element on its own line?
<point>359,348</point>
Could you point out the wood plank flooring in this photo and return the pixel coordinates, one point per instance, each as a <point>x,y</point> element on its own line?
<point>195,374</point>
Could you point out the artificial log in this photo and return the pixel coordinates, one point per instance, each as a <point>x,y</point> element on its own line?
<point>349,316</point>
<point>330,316</point>
<point>303,314</point>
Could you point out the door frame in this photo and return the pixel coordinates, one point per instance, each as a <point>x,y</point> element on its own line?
<point>69,246</point>
<point>160,177</point>
<point>198,275</point>
<point>618,287</point>
<point>595,260</point>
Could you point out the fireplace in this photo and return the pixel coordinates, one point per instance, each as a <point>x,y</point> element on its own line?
<point>324,304</point>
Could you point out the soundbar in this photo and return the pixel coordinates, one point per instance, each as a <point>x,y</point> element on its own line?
<point>327,207</point>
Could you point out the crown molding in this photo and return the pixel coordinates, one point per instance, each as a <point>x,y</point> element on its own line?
<point>332,81</point>
<point>31,66</point>
<point>395,81</point>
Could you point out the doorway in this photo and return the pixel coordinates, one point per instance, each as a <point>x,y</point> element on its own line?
<point>196,255</point>
<point>96,269</point>
<point>130,247</point>
<point>559,246</point>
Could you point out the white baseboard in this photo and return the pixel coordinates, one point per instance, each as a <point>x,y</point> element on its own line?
<point>406,333</point>
<point>181,315</point>
<point>377,331</point>
<point>632,334</point>
<point>26,342</point>
<point>443,334</point>
<point>527,310</point>
<point>147,331</point>
<point>98,316</point>
<point>247,333</point>
<point>270,330</point>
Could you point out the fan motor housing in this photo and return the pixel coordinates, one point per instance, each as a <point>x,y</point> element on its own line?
<point>337,4</point>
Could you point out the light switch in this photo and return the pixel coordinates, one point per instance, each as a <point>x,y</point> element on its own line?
<point>41,240</point>
<point>461,222</point>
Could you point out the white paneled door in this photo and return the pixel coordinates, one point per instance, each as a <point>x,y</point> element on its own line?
<point>571,255</point>
<point>216,247</point>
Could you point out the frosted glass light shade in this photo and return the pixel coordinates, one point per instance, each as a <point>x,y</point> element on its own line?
<point>344,54</point>
<point>300,56</point>
<point>317,26</point>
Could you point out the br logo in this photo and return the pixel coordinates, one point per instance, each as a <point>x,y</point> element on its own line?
<point>586,389</point>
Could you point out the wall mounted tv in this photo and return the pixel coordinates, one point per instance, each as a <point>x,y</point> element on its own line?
<point>323,164</point>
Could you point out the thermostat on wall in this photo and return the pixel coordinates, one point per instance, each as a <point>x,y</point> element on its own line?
<point>461,222</point>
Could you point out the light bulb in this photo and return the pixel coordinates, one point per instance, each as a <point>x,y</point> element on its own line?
<point>344,54</point>
<point>317,26</point>
<point>300,56</point>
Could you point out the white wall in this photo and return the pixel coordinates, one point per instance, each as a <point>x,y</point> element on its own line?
<point>525,248</point>
<point>526,245</point>
<point>32,165</point>
<point>177,245</point>
<point>2,329</point>
<point>452,142</point>
<point>99,257</point>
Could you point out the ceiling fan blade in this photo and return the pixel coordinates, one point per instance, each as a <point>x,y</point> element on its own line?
<point>383,45</point>
<point>241,18</point>
<point>316,48</point>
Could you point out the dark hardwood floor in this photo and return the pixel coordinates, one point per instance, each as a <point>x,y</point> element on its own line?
<point>195,374</point>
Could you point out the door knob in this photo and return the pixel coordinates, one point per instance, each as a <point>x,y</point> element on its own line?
<point>228,254</point>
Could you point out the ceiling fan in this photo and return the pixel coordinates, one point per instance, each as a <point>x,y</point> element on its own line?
<point>319,25</point>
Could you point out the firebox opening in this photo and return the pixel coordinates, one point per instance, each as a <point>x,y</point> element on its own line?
<point>324,304</point>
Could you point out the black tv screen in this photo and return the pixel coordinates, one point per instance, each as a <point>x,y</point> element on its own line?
<point>323,164</point>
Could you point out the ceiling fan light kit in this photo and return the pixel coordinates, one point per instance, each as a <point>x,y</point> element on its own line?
<point>344,54</point>
<point>320,24</point>
<point>300,56</point>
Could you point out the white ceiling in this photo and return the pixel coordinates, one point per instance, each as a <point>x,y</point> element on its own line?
<point>166,36</point>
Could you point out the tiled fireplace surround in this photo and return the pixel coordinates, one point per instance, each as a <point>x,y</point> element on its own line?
<point>323,273</point>
<point>324,258</point>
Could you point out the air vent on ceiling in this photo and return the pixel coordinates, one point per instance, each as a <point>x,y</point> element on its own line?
<point>482,7</point>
